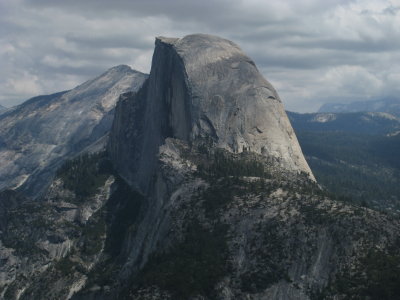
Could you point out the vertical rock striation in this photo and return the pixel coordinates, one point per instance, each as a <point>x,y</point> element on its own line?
<point>202,91</point>
<point>201,87</point>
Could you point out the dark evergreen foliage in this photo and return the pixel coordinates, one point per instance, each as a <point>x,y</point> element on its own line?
<point>85,174</point>
<point>222,163</point>
<point>377,277</point>
<point>191,267</point>
<point>123,210</point>
<point>363,169</point>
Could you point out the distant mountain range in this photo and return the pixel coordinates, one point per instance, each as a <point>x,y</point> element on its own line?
<point>358,122</point>
<point>388,105</point>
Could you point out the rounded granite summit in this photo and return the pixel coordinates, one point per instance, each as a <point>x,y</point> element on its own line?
<point>203,86</point>
<point>232,101</point>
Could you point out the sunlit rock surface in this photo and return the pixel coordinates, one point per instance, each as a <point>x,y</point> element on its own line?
<point>38,135</point>
<point>202,87</point>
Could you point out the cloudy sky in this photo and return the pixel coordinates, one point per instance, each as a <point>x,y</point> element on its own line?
<point>312,51</point>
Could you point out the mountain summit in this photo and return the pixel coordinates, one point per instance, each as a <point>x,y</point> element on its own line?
<point>202,87</point>
<point>38,135</point>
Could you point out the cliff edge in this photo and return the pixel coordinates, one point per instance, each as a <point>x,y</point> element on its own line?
<point>201,88</point>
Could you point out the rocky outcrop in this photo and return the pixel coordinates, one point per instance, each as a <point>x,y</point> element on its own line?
<point>205,93</point>
<point>201,88</point>
<point>217,225</point>
<point>48,246</point>
<point>231,209</point>
<point>38,135</point>
<point>220,225</point>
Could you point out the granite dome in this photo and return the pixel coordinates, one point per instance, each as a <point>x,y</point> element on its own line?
<point>204,87</point>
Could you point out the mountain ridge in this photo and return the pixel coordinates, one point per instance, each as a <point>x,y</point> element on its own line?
<point>388,105</point>
<point>355,122</point>
<point>38,132</point>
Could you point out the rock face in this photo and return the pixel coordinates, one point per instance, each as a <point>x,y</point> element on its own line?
<point>38,135</point>
<point>202,87</point>
<point>35,236</point>
<point>231,209</point>
<point>207,231</point>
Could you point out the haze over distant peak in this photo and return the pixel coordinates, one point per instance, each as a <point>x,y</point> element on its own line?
<point>352,122</point>
<point>388,105</point>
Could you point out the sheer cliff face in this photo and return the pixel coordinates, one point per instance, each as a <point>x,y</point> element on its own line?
<point>203,87</point>
<point>36,136</point>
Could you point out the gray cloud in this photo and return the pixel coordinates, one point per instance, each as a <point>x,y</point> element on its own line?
<point>313,51</point>
<point>359,46</point>
<point>104,42</point>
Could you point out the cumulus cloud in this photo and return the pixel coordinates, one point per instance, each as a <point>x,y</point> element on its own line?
<point>25,84</point>
<point>312,51</point>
